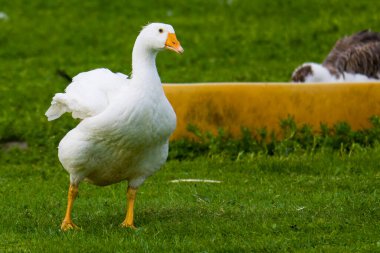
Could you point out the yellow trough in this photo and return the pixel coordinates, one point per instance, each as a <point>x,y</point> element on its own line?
<point>210,106</point>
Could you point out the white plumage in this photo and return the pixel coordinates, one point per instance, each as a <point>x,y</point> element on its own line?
<point>317,73</point>
<point>88,94</point>
<point>126,123</point>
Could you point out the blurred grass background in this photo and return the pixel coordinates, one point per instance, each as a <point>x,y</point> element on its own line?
<point>224,40</point>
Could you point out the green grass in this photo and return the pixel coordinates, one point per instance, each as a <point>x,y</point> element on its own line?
<point>290,139</point>
<point>322,201</point>
<point>224,40</point>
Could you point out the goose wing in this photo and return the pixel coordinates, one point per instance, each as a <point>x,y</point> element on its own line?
<point>88,94</point>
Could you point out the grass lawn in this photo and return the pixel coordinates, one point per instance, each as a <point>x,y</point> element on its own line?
<point>224,40</point>
<point>326,202</point>
<point>323,202</point>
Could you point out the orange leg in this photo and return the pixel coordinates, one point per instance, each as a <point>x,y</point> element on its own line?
<point>131,196</point>
<point>67,223</point>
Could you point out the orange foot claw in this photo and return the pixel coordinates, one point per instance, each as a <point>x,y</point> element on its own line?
<point>125,225</point>
<point>68,225</point>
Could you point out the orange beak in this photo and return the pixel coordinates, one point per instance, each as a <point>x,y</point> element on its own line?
<point>173,44</point>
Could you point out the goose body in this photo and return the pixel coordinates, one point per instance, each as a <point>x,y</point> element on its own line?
<point>354,58</point>
<point>317,73</point>
<point>126,123</point>
<point>127,140</point>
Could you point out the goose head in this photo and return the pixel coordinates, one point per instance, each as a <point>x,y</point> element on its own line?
<point>157,36</point>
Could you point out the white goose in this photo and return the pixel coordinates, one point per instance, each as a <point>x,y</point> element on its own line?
<point>126,123</point>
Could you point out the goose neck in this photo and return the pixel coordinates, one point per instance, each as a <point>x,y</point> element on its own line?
<point>143,61</point>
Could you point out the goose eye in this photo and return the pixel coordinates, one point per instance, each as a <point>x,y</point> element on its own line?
<point>160,30</point>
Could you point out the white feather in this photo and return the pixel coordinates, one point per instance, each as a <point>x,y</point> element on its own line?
<point>321,74</point>
<point>88,95</point>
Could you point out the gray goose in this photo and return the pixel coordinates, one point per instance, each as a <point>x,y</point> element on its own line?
<point>354,58</point>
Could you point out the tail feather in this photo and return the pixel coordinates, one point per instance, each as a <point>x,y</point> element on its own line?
<point>88,94</point>
<point>57,108</point>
